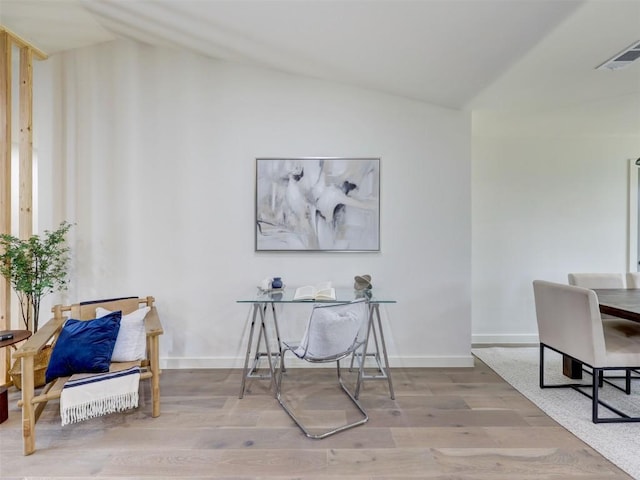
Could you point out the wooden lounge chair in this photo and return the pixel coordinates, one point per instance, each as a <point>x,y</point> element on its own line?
<point>33,402</point>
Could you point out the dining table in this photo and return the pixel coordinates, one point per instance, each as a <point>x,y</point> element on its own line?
<point>620,302</point>
<point>617,302</point>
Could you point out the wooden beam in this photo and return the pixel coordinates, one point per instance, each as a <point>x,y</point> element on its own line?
<point>26,143</point>
<point>27,53</point>
<point>5,185</point>
<point>5,133</point>
<point>25,172</point>
<point>22,43</point>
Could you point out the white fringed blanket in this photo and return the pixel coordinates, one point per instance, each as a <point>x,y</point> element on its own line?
<point>86,396</point>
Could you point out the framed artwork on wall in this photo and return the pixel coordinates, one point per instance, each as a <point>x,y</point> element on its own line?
<point>317,204</point>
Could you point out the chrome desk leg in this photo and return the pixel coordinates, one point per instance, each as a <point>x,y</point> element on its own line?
<point>245,370</point>
<point>384,351</point>
<point>275,322</point>
<point>250,372</point>
<point>383,365</point>
<point>376,342</point>
<point>266,344</point>
<point>258,354</point>
<point>363,355</point>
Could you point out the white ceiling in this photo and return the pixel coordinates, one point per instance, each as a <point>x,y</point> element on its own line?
<point>468,54</point>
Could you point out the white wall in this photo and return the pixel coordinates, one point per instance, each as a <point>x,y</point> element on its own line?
<point>155,151</point>
<point>550,196</point>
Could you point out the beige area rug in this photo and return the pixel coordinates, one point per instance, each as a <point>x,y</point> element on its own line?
<point>618,442</point>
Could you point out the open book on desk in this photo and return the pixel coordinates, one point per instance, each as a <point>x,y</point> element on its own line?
<point>321,291</point>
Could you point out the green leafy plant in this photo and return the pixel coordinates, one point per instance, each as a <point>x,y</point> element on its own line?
<point>35,267</point>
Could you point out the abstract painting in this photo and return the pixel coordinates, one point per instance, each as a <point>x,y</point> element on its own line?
<point>318,204</point>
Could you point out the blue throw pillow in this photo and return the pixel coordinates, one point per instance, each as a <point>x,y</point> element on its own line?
<point>84,346</point>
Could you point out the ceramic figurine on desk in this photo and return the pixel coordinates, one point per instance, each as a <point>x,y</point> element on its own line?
<point>363,294</point>
<point>362,282</point>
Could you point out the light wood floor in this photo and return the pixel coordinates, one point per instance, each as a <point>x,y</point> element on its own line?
<point>445,423</point>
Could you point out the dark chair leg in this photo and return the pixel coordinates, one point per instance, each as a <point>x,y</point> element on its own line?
<point>597,380</point>
<point>541,366</point>
<point>596,377</point>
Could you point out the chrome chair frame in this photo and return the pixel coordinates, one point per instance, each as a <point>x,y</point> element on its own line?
<point>357,343</point>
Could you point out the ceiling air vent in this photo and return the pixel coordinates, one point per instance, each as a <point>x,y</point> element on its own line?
<point>622,59</point>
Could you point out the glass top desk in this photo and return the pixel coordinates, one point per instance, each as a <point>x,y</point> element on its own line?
<point>262,302</point>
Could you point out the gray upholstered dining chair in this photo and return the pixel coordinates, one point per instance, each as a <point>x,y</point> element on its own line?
<point>633,280</point>
<point>598,280</point>
<point>616,326</point>
<point>334,332</point>
<point>569,322</point>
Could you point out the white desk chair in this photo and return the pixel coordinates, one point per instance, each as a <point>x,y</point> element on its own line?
<point>569,323</point>
<point>334,332</point>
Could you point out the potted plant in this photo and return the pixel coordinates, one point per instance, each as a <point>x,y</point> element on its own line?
<point>35,267</point>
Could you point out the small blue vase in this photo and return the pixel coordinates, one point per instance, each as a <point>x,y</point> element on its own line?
<point>276,282</point>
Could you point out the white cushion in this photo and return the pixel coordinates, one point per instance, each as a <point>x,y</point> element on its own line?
<point>131,343</point>
<point>332,330</point>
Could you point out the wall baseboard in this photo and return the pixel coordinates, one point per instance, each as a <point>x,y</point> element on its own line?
<point>505,339</point>
<point>461,361</point>
<point>395,362</point>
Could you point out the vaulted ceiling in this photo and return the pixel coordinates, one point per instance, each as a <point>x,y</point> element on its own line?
<point>464,54</point>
